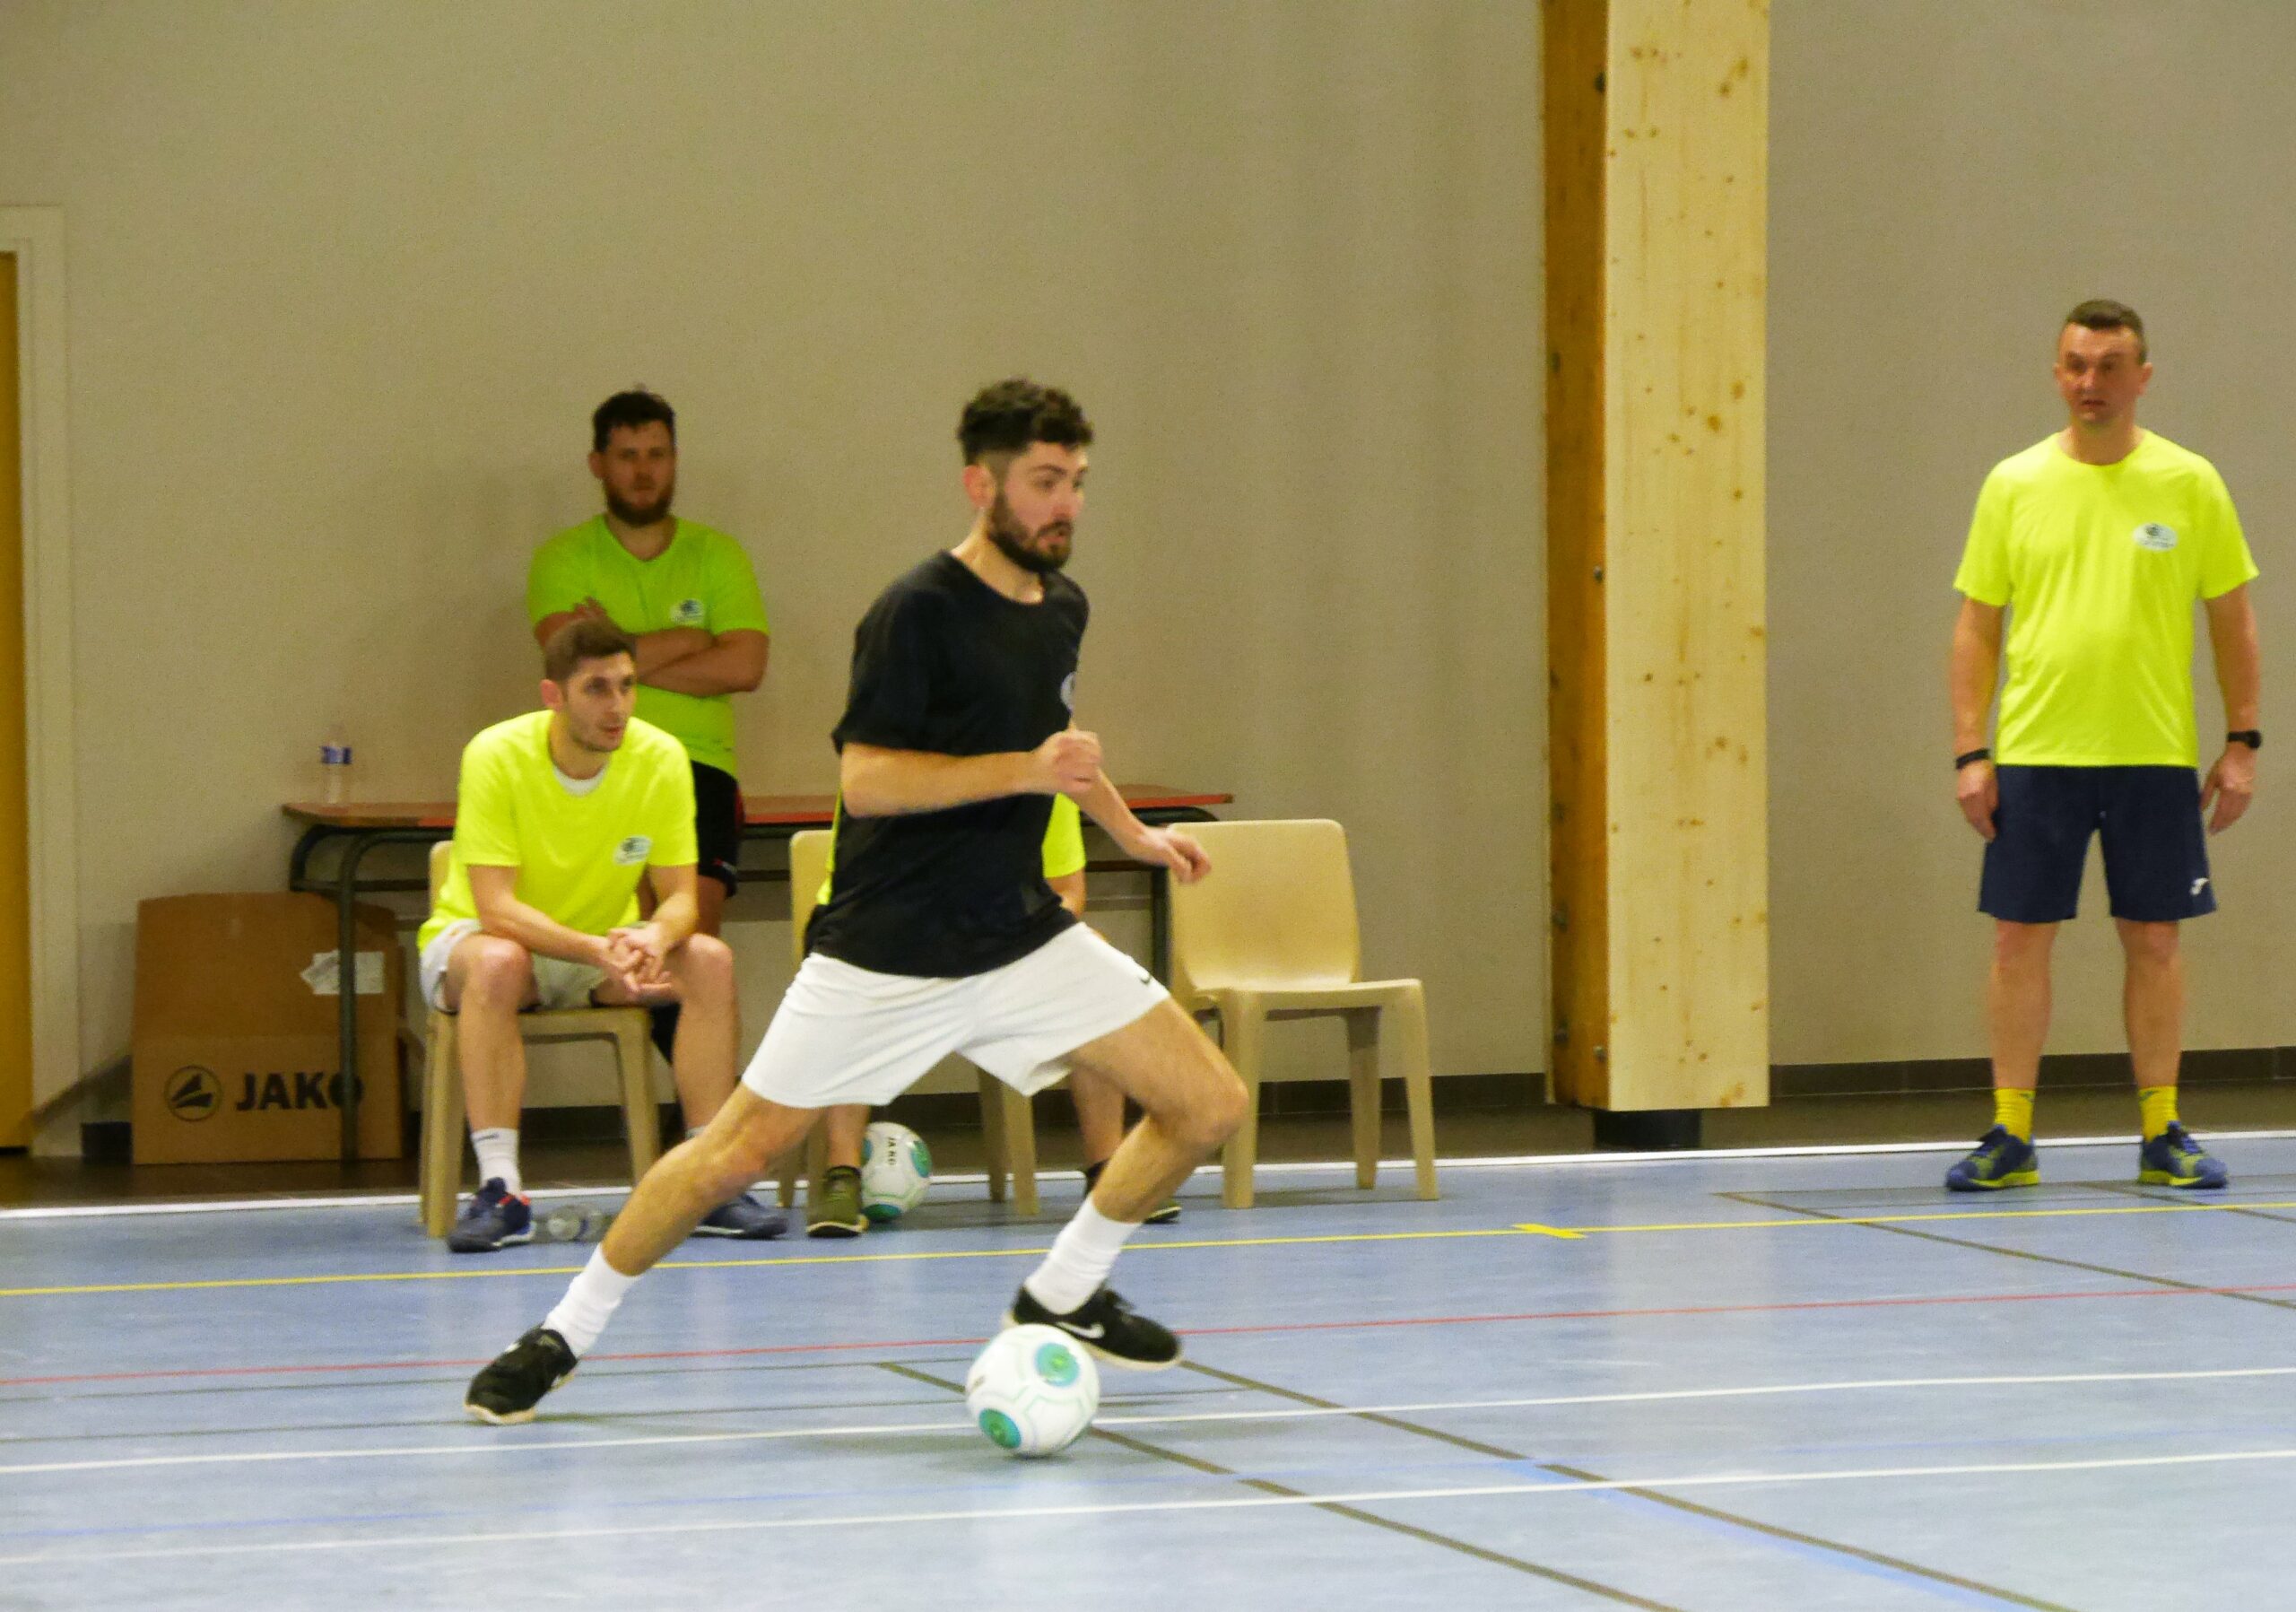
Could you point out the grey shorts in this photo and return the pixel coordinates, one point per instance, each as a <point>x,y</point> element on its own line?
<point>558,983</point>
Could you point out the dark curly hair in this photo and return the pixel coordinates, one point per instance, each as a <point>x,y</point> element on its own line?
<point>626,411</point>
<point>1007,417</point>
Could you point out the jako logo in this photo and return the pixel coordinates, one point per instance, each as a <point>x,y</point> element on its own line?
<point>194,1094</point>
<point>302,1089</point>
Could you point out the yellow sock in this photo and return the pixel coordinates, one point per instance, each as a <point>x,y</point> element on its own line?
<point>2013,1111</point>
<point>2159,1105</point>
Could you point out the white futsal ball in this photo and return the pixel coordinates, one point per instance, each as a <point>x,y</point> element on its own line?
<point>1033,1390</point>
<point>895,1166</point>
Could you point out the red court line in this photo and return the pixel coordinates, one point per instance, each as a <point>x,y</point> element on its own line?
<point>1346,1326</point>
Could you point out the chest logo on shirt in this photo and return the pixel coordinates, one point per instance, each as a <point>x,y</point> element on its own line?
<point>2156,536</point>
<point>631,850</point>
<point>1068,693</point>
<point>688,612</point>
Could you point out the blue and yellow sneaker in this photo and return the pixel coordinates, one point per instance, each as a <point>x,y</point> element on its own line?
<point>2001,1159</point>
<point>2173,1159</point>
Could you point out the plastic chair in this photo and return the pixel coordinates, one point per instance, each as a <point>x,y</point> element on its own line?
<point>442,1088</point>
<point>1007,1122</point>
<point>1272,935</point>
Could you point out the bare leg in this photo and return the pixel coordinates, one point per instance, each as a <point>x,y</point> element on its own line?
<point>488,979</point>
<point>2017,1001</point>
<point>844,1124</point>
<point>1190,1100</point>
<point>1099,1115</point>
<point>747,1134</point>
<point>2152,1000</point>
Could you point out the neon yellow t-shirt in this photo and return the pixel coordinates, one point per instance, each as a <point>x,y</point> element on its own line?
<point>1064,845</point>
<point>2099,565</point>
<point>702,579</point>
<point>578,857</point>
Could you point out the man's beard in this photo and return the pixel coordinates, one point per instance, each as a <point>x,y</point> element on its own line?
<point>639,514</point>
<point>1010,538</point>
<point>589,739</point>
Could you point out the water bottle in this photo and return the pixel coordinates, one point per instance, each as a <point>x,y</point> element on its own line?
<point>573,1223</point>
<point>335,766</point>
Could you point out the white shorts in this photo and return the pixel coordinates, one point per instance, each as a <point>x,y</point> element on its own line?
<point>847,1034</point>
<point>558,983</point>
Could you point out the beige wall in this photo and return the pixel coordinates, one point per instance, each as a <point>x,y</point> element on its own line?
<point>347,278</point>
<point>1946,179</point>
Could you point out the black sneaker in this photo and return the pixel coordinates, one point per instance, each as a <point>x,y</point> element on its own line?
<point>1107,1326</point>
<point>1164,1214</point>
<point>508,1387</point>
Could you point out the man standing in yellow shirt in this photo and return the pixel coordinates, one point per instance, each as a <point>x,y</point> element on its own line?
<point>2094,543</point>
<point>559,813</point>
<point>687,597</point>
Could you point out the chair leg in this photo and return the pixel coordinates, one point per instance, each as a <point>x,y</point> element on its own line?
<point>1241,1034</point>
<point>994,1142</point>
<point>1363,1090</point>
<point>440,1169</point>
<point>1020,1147</point>
<point>633,1055</point>
<point>790,1168</point>
<point>1418,1090</point>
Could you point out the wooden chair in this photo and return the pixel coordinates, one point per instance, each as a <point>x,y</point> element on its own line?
<point>1007,1123</point>
<point>1272,935</point>
<point>625,1028</point>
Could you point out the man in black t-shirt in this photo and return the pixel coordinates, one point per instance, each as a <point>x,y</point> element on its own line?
<point>940,933</point>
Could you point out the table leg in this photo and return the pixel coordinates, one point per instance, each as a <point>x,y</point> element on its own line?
<point>346,986</point>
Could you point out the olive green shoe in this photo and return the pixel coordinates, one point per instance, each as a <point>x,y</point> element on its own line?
<point>833,1204</point>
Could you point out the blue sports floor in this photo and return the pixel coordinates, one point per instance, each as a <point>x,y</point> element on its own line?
<point>1804,1381</point>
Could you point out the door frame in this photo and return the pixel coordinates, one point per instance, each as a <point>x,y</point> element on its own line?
<point>34,236</point>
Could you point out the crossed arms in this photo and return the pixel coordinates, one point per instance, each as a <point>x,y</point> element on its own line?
<point>686,660</point>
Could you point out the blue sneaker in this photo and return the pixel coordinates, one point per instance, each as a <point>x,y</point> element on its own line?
<point>495,1217</point>
<point>2001,1159</point>
<point>743,1217</point>
<point>2173,1159</point>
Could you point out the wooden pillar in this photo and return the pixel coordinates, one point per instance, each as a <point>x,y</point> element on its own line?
<point>1656,150</point>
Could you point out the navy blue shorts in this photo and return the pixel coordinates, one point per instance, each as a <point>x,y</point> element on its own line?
<point>2156,850</point>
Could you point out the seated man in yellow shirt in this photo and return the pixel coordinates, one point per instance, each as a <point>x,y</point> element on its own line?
<point>833,1208</point>
<point>558,814</point>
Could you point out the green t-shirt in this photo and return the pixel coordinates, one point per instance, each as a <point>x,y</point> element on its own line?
<point>2099,565</point>
<point>702,579</point>
<point>579,856</point>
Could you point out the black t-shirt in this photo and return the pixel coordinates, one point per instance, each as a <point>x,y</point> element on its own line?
<point>944,663</point>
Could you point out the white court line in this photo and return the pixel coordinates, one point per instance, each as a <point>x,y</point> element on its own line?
<point>1538,1160</point>
<point>1176,1419</point>
<point>1703,1480</point>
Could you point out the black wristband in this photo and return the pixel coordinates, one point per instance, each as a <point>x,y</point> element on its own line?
<point>1981,754</point>
<point>2252,738</point>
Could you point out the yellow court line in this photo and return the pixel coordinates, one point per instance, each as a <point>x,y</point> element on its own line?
<point>807,1259</point>
<point>1527,1228</point>
<point>1763,1225</point>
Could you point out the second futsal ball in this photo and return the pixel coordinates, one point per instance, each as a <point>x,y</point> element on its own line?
<point>895,1166</point>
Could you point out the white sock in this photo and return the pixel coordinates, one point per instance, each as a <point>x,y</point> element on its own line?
<point>1080,1259</point>
<point>589,1303</point>
<point>497,1157</point>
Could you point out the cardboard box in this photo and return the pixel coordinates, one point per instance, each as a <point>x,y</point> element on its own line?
<point>235,1041</point>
